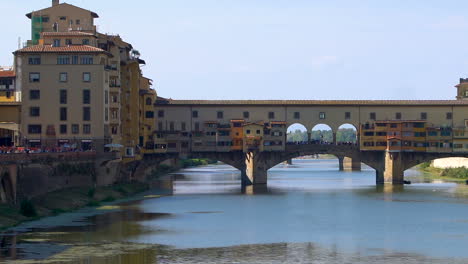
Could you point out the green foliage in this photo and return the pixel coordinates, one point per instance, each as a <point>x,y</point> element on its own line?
<point>461,173</point>
<point>425,165</point>
<point>91,192</point>
<point>27,208</point>
<point>196,162</point>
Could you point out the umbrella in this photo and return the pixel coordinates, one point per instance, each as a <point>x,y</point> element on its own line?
<point>113,146</point>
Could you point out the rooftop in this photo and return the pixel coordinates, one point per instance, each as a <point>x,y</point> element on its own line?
<point>7,73</point>
<point>29,15</point>
<point>311,102</point>
<point>64,49</point>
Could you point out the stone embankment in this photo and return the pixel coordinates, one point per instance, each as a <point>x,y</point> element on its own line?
<point>447,163</point>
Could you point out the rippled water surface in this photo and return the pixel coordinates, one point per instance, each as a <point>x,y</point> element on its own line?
<point>310,213</point>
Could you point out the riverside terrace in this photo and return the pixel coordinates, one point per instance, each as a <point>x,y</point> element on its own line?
<point>251,135</point>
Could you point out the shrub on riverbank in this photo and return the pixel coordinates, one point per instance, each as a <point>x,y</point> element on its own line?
<point>196,162</point>
<point>460,173</point>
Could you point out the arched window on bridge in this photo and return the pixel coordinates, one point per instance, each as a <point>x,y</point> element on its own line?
<point>322,134</point>
<point>297,134</point>
<point>346,134</point>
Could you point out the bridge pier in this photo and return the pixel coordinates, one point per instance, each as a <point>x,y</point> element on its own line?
<point>8,179</point>
<point>255,172</point>
<point>394,170</point>
<point>352,164</point>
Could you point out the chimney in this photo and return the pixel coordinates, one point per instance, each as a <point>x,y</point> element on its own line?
<point>55,2</point>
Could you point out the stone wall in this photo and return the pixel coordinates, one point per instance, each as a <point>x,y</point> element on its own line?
<point>450,163</point>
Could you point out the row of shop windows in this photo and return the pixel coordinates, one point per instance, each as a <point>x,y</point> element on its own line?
<point>414,144</point>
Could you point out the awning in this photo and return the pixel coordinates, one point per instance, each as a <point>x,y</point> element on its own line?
<point>87,141</point>
<point>63,140</point>
<point>34,141</point>
<point>9,126</point>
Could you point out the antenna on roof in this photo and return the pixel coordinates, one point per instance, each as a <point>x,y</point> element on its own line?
<point>55,2</point>
<point>19,42</point>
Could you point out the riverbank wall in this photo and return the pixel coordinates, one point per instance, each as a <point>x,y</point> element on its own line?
<point>447,163</point>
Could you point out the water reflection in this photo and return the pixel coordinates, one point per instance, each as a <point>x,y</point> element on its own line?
<point>309,213</point>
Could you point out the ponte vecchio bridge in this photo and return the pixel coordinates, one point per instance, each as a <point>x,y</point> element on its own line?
<point>251,135</point>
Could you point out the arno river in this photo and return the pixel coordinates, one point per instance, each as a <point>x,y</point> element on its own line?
<point>310,213</point>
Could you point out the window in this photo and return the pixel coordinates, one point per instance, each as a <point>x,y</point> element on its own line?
<point>34,94</point>
<point>398,116</point>
<point>75,59</point>
<point>372,116</point>
<point>63,114</point>
<point>114,114</point>
<point>87,129</point>
<point>68,42</point>
<point>85,41</point>
<point>114,130</point>
<point>297,115</point>
<point>63,96</point>
<point>34,77</point>
<point>194,114</point>
<point>466,93</point>
<point>63,77</point>
<point>423,116</point>
<point>75,128</point>
<point>86,113</point>
<point>271,115</point>
<point>63,18</point>
<point>161,113</point>
<point>56,43</point>
<point>148,101</point>
<point>86,76</point>
<point>34,60</point>
<point>322,115</point>
<point>220,114</point>
<point>86,59</point>
<point>34,129</point>
<point>347,115</point>
<point>34,111</point>
<point>63,59</point>
<point>45,19</point>
<point>86,96</point>
<point>149,114</point>
<point>114,99</point>
<point>246,114</point>
<point>258,132</point>
<point>78,22</point>
<point>449,115</point>
<point>63,129</point>
<point>106,97</point>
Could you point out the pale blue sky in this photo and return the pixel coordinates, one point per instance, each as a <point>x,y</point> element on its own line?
<point>275,49</point>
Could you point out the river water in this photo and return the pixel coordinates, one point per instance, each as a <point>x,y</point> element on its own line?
<point>310,213</point>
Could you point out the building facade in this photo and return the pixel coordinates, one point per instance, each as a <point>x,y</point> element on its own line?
<point>80,88</point>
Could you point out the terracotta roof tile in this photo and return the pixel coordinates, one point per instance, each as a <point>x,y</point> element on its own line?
<point>7,74</point>
<point>315,102</point>
<point>63,49</point>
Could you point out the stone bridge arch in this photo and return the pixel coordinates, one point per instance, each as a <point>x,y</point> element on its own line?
<point>8,184</point>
